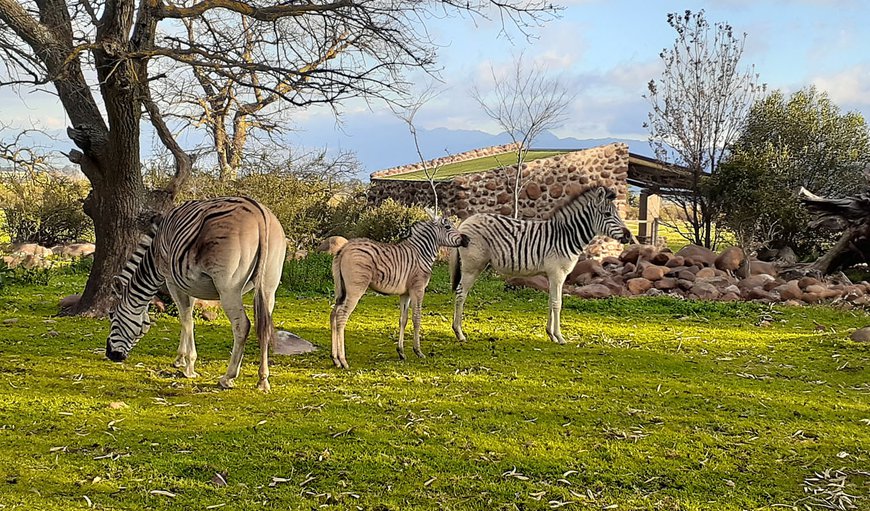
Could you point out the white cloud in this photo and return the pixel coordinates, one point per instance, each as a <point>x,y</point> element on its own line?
<point>849,88</point>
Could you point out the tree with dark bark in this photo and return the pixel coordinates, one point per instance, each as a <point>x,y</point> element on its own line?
<point>524,102</point>
<point>698,107</point>
<point>104,58</point>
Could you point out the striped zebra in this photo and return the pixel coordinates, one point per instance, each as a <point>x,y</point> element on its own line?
<point>534,247</point>
<point>209,249</point>
<point>402,269</point>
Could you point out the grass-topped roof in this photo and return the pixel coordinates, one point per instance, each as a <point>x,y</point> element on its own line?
<point>449,171</point>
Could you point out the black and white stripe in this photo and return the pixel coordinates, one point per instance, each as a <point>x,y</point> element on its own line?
<point>549,247</point>
<point>396,269</point>
<point>209,249</point>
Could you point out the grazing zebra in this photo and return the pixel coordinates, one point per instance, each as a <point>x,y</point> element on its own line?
<point>534,247</point>
<point>209,249</point>
<point>394,269</point>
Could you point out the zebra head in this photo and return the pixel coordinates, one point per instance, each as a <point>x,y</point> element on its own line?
<point>446,235</point>
<point>605,217</point>
<point>128,323</point>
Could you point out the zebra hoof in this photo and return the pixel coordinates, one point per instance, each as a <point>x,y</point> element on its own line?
<point>264,386</point>
<point>179,362</point>
<point>226,383</point>
<point>419,354</point>
<point>190,374</point>
<point>344,364</point>
<point>401,354</point>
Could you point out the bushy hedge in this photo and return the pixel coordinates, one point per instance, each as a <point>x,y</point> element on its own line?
<point>389,221</point>
<point>45,208</point>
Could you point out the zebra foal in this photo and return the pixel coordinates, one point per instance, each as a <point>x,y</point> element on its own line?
<point>402,269</point>
<point>551,247</point>
<point>209,249</point>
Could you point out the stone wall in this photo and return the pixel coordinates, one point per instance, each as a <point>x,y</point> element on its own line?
<point>548,182</point>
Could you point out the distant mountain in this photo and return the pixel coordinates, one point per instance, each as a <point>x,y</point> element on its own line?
<point>381,143</point>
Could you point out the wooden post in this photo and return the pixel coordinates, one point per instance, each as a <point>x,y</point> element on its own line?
<point>647,218</point>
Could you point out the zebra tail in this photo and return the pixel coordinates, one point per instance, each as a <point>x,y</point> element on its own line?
<point>262,314</point>
<point>338,279</point>
<point>455,269</point>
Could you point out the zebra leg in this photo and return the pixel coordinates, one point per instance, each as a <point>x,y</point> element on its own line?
<point>186,346</point>
<point>404,301</point>
<point>235,310</point>
<point>417,304</point>
<point>342,313</point>
<point>553,328</point>
<point>266,341</point>
<point>468,279</point>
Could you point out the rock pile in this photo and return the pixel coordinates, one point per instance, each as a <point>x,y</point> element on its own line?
<point>699,273</point>
<point>31,255</point>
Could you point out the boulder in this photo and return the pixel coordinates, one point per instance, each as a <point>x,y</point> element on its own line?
<point>730,259</point>
<point>757,267</point>
<point>635,252</point>
<point>815,288</point>
<point>807,281</point>
<point>74,250</point>
<point>586,268</point>
<point>705,273</point>
<point>729,297</point>
<point>638,286</point>
<point>592,291</point>
<point>676,261</point>
<point>538,282</point>
<point>861,335</point>
<point>611,261</point>
<point>653,273</point>
<point>68,302</point>
<point>666,283</point>
<point>789,291</point>
<point>705,291</point>
<point>754,281</point>
<point>661,258</point>
<point>698,254</point>
<point>685,284</point>
<point>757,293</point>
<point>31,249</point>
<point>686,275</point>
<point>332,244</point>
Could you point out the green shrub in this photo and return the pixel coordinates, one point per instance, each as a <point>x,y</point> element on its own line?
<point>7,274</point>
<point>311,274</point>
<point>45,208</point>
<point>388,222</point>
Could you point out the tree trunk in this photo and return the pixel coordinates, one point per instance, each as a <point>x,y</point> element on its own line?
<point>826,263</point>
<point>116,209</point>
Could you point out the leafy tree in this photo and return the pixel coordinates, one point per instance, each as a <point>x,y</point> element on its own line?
<point>104,58</point>
<point>698,107</point>
<point>789,142</point>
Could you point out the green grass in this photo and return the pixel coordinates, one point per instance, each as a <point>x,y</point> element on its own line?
<point>448,172</point>
<point>654,404</point>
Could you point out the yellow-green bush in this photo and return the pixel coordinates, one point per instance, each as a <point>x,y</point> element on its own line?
<point>45,208</point>
<point>389,221</point>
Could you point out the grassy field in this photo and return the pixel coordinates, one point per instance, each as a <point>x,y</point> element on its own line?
<point>654,404</point>
<point>448,172</point>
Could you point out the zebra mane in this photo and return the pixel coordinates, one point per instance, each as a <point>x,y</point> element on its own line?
<point>144,244</point>
<point>577,203</point>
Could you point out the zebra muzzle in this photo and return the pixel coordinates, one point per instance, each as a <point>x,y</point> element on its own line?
<point>114,356</point>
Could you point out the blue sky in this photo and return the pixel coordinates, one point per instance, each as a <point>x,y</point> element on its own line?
<point>605,50</point>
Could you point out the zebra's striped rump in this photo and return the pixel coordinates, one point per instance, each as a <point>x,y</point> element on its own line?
<point>209,249</point>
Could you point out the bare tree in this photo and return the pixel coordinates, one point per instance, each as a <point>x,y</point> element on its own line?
<point>407,112</point>
<point>99,56</point>
<point>524,103</point>
<point>698,108</point>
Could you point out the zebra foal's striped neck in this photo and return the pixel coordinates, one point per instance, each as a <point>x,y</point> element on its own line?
<point>423,241</point>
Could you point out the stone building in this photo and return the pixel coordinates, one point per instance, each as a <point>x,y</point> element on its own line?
<point>479,181</point>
